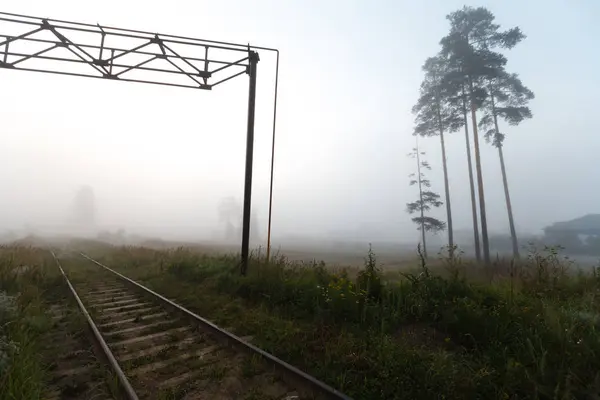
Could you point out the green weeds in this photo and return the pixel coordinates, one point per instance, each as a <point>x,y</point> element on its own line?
<point>525,329</point>
<point>22,321</point>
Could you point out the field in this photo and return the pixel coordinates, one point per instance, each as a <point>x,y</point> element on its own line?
<point>438,329</point>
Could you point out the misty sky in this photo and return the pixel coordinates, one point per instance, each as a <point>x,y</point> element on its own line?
<point>159,159</point>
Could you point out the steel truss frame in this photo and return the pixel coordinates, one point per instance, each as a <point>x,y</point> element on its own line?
<point>87,50</point>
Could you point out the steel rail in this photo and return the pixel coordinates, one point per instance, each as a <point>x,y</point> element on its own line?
<point>318,386</point>
<point>131,395</point>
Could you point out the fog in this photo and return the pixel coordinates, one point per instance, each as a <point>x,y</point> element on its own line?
<point>160,160</point>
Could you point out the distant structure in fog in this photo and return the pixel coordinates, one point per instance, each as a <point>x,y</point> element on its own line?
<point>230,215</point>
<point>578,236</point>
<point>83,209</point>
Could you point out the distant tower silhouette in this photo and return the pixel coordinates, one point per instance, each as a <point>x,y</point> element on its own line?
<point>83,211</point>
<point>229,211</point>
<point>230,215</point>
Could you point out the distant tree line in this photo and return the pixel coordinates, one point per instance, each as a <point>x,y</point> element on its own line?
<point>467,83</point>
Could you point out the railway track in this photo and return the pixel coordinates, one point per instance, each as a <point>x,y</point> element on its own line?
<point>73,369</point>
<point>159,350</point>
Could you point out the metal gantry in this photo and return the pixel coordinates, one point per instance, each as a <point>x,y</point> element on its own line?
<point>94,51</point>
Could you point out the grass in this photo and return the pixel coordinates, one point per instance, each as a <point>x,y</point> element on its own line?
<point>23,278</point>
<point>525,330</point>
<point>33,347</point>
<point>449,329</point>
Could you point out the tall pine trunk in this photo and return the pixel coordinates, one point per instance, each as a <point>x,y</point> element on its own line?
<point>421,201</point>
<point>511,222</point>
<point>484,232</point>
<point>471,182</point>
<point>446,187</point>
<point>498,143</point>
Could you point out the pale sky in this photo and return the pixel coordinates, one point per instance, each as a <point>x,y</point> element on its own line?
<point>159,159</point>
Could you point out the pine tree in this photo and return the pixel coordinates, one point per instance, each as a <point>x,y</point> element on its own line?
<point>426,201</point>
<point>463,104</point>
<point>507,99</point>
<point>469,49</point>
<point>434,116</point>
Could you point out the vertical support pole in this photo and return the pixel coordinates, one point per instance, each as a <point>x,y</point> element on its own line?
<point>252,61</point>
<point>272,160</point>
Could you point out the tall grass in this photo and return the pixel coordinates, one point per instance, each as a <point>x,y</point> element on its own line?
<point>517,330</point>
<point>22,321</point>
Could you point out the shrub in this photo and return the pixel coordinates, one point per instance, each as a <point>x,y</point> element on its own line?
<point>369,279</point>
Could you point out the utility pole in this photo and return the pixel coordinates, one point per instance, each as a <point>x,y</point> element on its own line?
<point>252,63</point>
